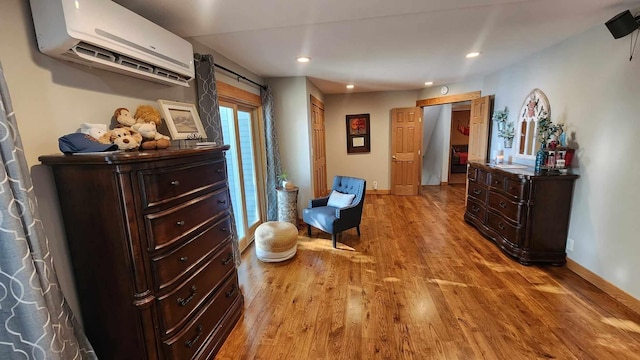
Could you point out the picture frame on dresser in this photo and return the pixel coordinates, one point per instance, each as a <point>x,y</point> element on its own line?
<point>183,120</point>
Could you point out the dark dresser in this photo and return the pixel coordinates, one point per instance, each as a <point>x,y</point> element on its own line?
<point>525,213</point>
<point>150,243</point>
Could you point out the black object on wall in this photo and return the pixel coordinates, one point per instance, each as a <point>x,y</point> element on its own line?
<point>622,24</point>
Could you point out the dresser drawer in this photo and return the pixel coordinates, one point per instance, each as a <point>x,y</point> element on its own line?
<point>188,342</point>
<point>481,176</point>
<point>160,186</point>
<point>515,188</point>
<point>167,227</point>
<point>471,173</point>
<point>505,229</point>
<point>497,181</point>
<point>168,268</point>
<point>476,210</point>
<point>176,306</point>
<point>478,192</point>
<point>505,206</point>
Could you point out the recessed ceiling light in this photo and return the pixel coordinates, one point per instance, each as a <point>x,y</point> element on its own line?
<point>304,59</point>
<point>428,83</point>
<point>350,86</point>
<point>473,54</point>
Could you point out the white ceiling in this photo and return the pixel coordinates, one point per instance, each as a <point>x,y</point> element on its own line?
<point>377,44</point>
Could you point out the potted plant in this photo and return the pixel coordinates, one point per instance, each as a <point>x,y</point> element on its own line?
<point>284,177</point>
<point>548,132</point>
<point>506,129</point>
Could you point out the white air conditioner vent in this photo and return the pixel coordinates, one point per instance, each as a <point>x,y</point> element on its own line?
<point>84,32</point>
<point>127,61</point>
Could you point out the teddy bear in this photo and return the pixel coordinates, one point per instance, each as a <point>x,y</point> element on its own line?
<point>147,121</point>
<point>123,137</point>
<point>151,139</point>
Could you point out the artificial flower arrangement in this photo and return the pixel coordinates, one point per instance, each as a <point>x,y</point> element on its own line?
<point>506,129</point>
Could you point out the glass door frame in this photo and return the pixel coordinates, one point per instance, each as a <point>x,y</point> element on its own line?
<point>238,99</point>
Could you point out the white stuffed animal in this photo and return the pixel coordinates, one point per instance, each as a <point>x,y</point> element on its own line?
<point>93,130</point>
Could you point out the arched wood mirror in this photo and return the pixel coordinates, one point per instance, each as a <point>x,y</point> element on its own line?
<point>534,104</point>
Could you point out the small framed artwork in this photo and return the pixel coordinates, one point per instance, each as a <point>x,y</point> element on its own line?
<point>358,136</point>
<point>182,120</point>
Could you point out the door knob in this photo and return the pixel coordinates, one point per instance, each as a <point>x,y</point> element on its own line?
<point>394,157</point>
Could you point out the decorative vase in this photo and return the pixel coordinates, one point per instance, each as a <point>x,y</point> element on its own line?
<point>508,143</point>
<point>540,158</point>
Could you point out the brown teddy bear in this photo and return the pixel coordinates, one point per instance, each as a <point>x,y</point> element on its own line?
<point>147,121</point>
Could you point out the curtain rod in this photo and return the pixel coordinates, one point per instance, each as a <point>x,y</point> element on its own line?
<point>240,76</point>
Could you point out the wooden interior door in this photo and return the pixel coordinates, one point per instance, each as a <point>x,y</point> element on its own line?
<point>479,129</point>
<point>318,148</point>
<point>406,150</point>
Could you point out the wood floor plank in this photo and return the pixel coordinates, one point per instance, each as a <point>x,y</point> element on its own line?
<point>420,283</point>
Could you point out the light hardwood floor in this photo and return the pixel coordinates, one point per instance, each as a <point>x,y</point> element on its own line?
<point>422,284</point>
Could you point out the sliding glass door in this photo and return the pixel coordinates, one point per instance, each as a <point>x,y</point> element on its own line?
<point>239,130</point>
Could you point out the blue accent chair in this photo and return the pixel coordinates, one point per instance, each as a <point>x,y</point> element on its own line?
<point>335,220</point>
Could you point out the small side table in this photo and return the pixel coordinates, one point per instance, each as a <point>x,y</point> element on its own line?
<point>288,205</point>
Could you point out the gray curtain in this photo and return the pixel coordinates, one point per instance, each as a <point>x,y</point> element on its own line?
<point>274,167</point>
<point>35,319</point>
<point>208,106</point>
<point>209,111</point>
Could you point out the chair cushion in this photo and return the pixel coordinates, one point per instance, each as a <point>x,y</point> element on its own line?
<point>321,217</point>
<point>340,200</point>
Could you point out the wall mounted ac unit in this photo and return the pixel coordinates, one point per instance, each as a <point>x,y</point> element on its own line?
<point>105,35</point>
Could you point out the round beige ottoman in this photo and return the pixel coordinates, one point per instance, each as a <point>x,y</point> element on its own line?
<point>276,241</point>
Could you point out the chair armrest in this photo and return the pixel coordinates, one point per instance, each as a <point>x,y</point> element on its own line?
<point>319,202</point>
<point>348,212</point>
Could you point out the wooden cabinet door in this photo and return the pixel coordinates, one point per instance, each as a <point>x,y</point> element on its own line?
<point>406,150</point>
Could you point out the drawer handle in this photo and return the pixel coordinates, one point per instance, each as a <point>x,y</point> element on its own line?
<point>511,188</point>
<point>219,171</point>
<point>496,182</point>
<point>180,223</point>
<point>503,204</point>
<point>224,229</point>
<point>228,259</point>
<point>501,226</point>
<point>222,201</point>
<point>175,183</point>
<point>477,191</point>
<point>190,343</point>
<point>475,208</point>
<point>183,302</point>
<point>184,258</point>
<point>231,292</point>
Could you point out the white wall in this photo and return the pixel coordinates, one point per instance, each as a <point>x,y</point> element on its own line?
<point>469,85</point>
<point>432,143</point>
<point>373,166</point>
<point>594,89</point>
<point>291,108</point>
<point>52,98</point>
